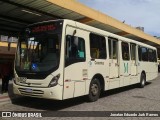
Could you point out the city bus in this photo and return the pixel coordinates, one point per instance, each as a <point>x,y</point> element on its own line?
<point>62,59</point>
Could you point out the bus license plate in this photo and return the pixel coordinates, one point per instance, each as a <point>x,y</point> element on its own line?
<point>28,90</point>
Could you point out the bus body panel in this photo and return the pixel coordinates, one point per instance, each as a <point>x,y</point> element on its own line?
<point>75,78</point>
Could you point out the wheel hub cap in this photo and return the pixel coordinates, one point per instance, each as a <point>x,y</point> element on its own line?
<point>94,89</point>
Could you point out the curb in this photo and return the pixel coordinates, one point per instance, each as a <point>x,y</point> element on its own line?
<point>5,100</point>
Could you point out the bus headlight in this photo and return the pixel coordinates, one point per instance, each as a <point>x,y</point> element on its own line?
<point>54,81</point>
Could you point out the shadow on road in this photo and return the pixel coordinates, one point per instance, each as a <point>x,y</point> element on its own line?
<point>53,105</point>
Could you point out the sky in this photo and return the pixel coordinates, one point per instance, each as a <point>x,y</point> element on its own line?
<point>144,13</point>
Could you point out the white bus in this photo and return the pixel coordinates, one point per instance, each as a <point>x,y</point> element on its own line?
<point>64,59</point>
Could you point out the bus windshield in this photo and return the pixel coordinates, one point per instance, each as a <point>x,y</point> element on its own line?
<point>39,50</point>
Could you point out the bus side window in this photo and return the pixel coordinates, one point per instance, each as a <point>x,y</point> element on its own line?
<point>97,46</point>
<point>152,56</point>
<point>133,51</point>
<point>113,47</point>
<point>139,53</point>
<point>75,50</point>
<point>81,48</point>
<point>144,53</point>
<point>125,51</point>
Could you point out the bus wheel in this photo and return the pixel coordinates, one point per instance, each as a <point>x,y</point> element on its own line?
<point>142,80</point>
<point>94,90</point>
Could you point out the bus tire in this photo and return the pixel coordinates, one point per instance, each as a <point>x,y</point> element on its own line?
<point>142,80</point>
<point>94,90</point>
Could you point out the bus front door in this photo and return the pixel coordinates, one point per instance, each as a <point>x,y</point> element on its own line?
<point>75,69</point>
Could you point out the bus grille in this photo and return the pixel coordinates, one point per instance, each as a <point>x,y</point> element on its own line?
<point>32,92</point>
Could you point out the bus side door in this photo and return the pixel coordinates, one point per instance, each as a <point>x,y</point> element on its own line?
<point>75,68</point>
<point>113,58</point>
<point>133,59</point>
<point>126,63</point>
<point>113,63</point>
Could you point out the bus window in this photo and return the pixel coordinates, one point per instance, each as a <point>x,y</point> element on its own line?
<point>75,50</point>
<point>109,45</point>
<point>97,46</point>
<point>150,55</point>
<point>139,53</point>
<point>125,51</point>
<point>114,49</point>
<point>133,51</point>
<point>112,43</point>
<point>144,54</point>
<point>155,56</point>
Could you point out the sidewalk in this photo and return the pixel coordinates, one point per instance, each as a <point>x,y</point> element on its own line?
<point>6,97</point>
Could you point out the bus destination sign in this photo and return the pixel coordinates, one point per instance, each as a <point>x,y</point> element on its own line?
<point>43,28</point>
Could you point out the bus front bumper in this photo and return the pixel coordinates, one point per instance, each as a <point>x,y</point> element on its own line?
<point>48,93</point>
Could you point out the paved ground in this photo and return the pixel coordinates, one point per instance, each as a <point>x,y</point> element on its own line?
<point>6,97</point>
<point>130,98</point>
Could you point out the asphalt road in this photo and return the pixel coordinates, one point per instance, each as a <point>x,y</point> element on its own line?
<point>130,98</point>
